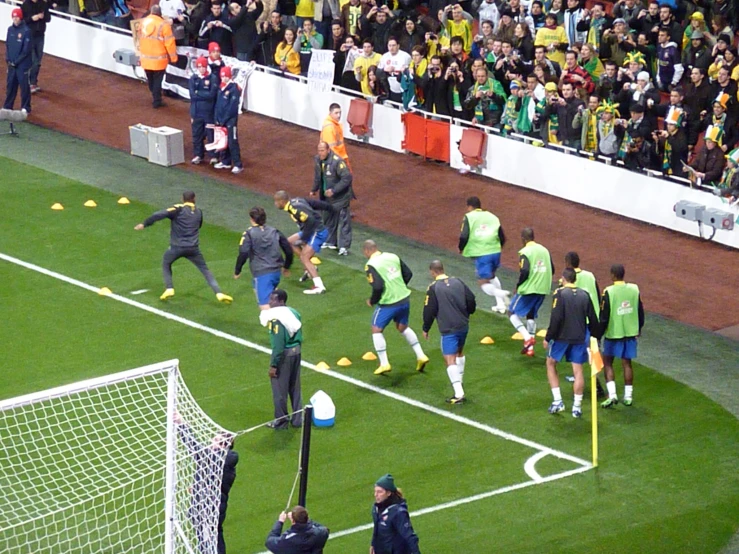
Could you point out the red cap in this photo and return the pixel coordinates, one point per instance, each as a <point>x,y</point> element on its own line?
<point>226,72</point>
<point>202,61</point>
<point>213,47</point>
<point>17,12</point>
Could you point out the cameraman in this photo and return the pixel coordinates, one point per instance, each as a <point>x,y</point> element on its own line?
<point>635,136</point>
<point>435,88</point>
<point>457,86</point>
<point>304,536</point>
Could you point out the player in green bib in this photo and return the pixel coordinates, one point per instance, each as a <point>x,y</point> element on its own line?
<point>481,239</point>
<point>534,283</point>
<point>622,319</point>
<point>389,277</point>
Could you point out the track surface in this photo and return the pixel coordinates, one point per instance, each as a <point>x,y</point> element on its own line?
<point>681,278</point>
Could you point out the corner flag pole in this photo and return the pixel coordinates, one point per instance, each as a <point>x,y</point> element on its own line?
<point>596,366</point>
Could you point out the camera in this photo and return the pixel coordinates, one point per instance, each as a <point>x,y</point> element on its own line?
<point>433,69</point>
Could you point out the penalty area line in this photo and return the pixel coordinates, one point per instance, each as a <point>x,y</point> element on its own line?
<point>329,373</point>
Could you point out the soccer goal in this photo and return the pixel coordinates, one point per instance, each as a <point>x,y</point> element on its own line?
<point>126,463</point>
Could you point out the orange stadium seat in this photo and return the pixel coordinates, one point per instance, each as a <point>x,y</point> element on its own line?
<point>472,147</point>
<point>140,7</point>
<point>358,118</point>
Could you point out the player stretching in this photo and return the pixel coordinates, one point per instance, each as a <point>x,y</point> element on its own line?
<point>534,283</point>
<point>308,240</point>
<point>389,277</point>
<point>184,242</point>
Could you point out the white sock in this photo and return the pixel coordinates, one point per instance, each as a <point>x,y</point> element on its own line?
<point>460,367</point>
<point>519,326</point>
<point>628,391</point>
<point>611,386</point>
<point>502,296</point>
<point>557,394</point>
<point>453,372</point>
<point>578,401</point>
<point>318,282</point>
<point>531,326</point>
<point>493,288</point>
<point>412,339</point>
<point>380,347</point>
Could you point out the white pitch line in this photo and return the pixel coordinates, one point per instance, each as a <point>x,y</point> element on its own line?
<point>468,499</point>
<point>356,382</point>
<point>530,466</point>
<point>141,291</point>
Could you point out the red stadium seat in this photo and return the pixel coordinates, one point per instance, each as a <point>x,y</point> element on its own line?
<point>661,123</point>
<point>359,116</point>
<point>472,147</point>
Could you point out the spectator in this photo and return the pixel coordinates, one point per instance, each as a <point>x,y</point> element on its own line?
<point>304,9</point>
<point>98,11</point>
<point>435,86</point>
<point>215,29</point>
<point>698,93</point>
<point>393,531</point>
<point>628,10</point>
<point>157,47</point>
<point>553,39</point>
<point>672,144</point>
<point>376,25</point>
<point>18,58</point>
<point>36,15</point>
<point>493,52</point>
<point>512,109</point>
<point>725,85</point>
<point>121,14</point>
<point>648,20</point>
<point>608,141</point>
<point>587,121</point>
<point>526,122</point>
<point>286,53</point>
<point>636,150</point>
<point>641,92</point>
<point>697,24</point>
<point>375,85</point>
<point>690,122</point>
<point>351,52</point>
<point>540,57</point>
<point>304,535</point>
<point>243,23</point>
<point>667,21</point>
<point>480,41</point>
<point>709,163</point>
<point>195,12</point>
<point>368,58</point>
<point>723,43</point>
<point>487,10</point>
<point>457,53</point>
<point>633,65</point>
<point>351,12</point>
<point>729,60</point>
<point>574,14</point>
<point>721,120</point>
<point>729,184</point>
<point>591,63</point>
<point>392,64</point>
<point>697,54</point>
<point>555,8</point>
<point>485,99</point>
<point>522,41</point>
<point>504,30</point>
<point>308,39</point>
<point>546,114</point>
<point>520,15</point>
<point>215,62</point>
<point>325,11</point>
<point>459,26</point>
<point>669,68</point>
<point>226,115</point>
<point>593,23</point>
<point>271,34</point>
<point>338,45</point>
<point>537,15</point>
<point>568,106</point>
<point>648,50</point>
<point>608,87</point>
<point>574,75</point>
<point>176,12</point>
<point>617,42</point>
<point>287,9</point>
<point>408,36</point>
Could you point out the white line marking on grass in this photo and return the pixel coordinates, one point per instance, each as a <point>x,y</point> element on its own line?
<point>468,499</point>
<point>530,466</point>
<point>142,291</point>
<point>356,382</point>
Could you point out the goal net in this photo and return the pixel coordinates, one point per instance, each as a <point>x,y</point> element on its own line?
<point>126,463</point>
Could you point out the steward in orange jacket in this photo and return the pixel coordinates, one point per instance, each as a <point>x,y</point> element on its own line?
<point>157,49</point>
<point>333,134</point>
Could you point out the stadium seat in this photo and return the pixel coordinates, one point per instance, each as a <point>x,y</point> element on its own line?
<point>699,144</point>
<point>661,123</point>
<point>359,115</point>
<point>139,8</point>
<point>472,147</point>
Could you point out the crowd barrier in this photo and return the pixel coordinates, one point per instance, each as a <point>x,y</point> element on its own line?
<point>518,162</point>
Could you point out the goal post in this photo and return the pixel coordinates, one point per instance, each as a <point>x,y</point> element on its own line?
<point>125,463</point>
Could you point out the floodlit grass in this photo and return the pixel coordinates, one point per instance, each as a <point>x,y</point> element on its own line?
<point>667,481</point>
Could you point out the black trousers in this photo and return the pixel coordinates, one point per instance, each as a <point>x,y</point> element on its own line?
<point>18,77</point>
<point>339,226</point>
<point>154,79</point>
<point>287,383</point>
<point>174,253</point>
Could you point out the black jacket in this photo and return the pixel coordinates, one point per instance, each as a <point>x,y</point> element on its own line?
<point>301,538</point>
<point>435,93</point>
<point>566,116</point>
<point>377,32</point>
<point>306,212</point>
<point>711,162</point>
<point>244,29</point>
<point>30,8</point>
<point>678,152</point>
<point>268,41</point>
<point>451,303</point>
<point>572,315</point>
<point>261,245</point>
<point>393,532</point>
<point>338,178</point>
<point>222,35</point>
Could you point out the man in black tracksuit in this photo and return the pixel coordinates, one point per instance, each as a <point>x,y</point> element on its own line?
<point>304,537</point>
<point>36,15</point>
<point>332,180</point>
<point>261,245</point>
<point>18,58</point>
<point>243,23</point>
<point>572,323</point>
<point>184,242</point>
<point>450,302</point>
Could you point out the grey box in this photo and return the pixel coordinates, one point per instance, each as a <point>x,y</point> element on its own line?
<point>691,211</point>
<point>126,57</point>
<point>139,140</point>
<point>718,219</point>
<point>166,146</point>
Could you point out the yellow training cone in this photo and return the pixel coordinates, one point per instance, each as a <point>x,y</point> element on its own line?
<point>57,206</point>
<point>315,260</point>
<point>90,204</point>
<point>322,365</point>
<point>517,336</point>
<point>369,356</point>
<point>344,362</point>
<point>541,333</point>
<point>487,340</point>
<point>123,200</point>
<point>105,291</point>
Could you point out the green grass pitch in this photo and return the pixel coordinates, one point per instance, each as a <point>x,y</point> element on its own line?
<point>668,479</point>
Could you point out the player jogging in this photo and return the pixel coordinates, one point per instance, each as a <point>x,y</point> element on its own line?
<point>450,302</point>
<point>481,239</point>
<point>261,245</point>
<point>184,242</point>
<point>389,278</point>
<point>567,337</point>
<point>307,242</point>
<point>622,319</point>
<point>534,283</point>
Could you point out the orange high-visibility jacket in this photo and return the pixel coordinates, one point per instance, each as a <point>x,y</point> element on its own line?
<point>333,134</point>
<point>156,44</point>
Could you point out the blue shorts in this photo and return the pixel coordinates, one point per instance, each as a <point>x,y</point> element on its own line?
<point>453,343</point>
<point>526,305</point>
<point>485,266</point>
<point>316,240</point>
<point>264,285</point>
<point>575,353</point>
<point>620,348</point>
<point>399,313</point>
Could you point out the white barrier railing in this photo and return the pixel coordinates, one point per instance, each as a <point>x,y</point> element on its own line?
<point>598,183</point>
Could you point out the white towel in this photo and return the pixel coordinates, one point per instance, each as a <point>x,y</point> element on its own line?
<point>284,315</point>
